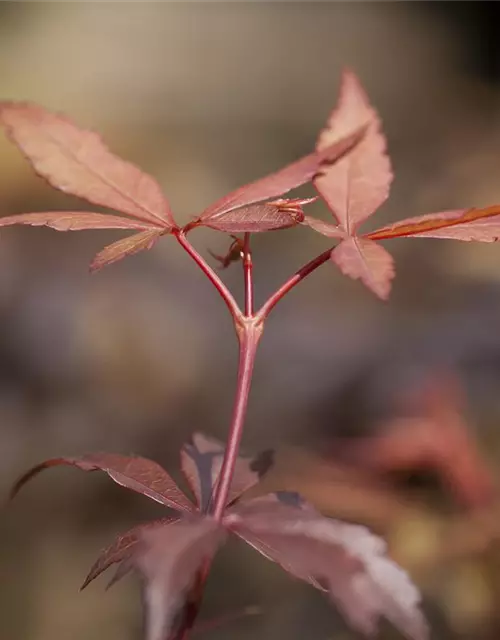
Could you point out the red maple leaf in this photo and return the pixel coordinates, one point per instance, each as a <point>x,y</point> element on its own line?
<point>345,561</point>
<point>358,184</point>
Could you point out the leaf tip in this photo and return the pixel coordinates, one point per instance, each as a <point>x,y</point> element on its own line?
<point>28,475</point>
<point>94,266</point>
<point>85,584</point>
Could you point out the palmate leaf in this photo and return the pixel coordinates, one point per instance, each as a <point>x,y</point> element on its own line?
<point>354,187</point>
<point>76,161</point>
<point>360,257</point>
<point>347,561</point>
<point>172,555</point>
<point>290,177</point>
<point>237,211</point>
<point>477,224</point>
<point>138,474</point>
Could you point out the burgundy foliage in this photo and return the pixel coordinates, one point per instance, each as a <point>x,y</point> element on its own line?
<point>358,184</point>
<point>346,561</point>
<point>138,474</point>
<point>290,177</point>
<point>76,161</point>
<point>351,171</point>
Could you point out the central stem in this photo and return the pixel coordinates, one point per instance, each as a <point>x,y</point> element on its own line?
<point>249,326</point>
<point>249,333</point>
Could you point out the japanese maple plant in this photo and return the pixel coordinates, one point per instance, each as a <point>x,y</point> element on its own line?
<point>352,174</point>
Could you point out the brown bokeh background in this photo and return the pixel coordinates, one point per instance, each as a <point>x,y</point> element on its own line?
<point>207,96</point>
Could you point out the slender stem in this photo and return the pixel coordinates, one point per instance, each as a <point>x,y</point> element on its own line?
<point>249,327</point>
<point>248,274</point>
<point>210,273</point>
<point>302,273</point>
<point>249,335</point>
<point>248,332</point>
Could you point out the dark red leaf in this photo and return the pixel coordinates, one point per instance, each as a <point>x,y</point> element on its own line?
<point>346,560</point>
<point>168,559</point>
<point>76,161</point>
<point>367,261</point>
<point>201,461</point>
<point>121,549</point>
<point>290,177</point>
<point>269,216</point>
<point>75,221</point>
<point>125,247</point>
<point>288,498</point>
<point>356,185</point>
<point>479,225</point>
<point>138,474</point>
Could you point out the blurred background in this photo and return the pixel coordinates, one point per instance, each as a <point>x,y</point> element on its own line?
<point>385,414</point>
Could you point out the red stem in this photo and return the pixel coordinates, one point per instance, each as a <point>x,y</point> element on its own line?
<point>249,327</point>
<point>302,273</point>
<point>248,274</point>
<point>210,273</point>
<point>249,333</point>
